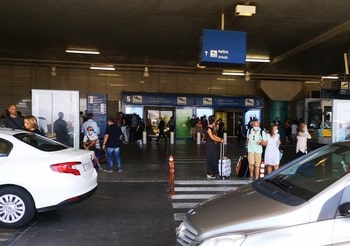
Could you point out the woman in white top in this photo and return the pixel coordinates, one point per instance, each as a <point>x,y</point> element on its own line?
<point>302,137</point>
<point>272,153</point>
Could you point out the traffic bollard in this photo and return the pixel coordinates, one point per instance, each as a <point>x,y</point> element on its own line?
<point>171,175</point>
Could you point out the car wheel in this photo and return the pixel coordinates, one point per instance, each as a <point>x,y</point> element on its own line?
<point>16,207</point>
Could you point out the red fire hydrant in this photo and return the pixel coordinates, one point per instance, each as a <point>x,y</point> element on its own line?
<point>171,175</point>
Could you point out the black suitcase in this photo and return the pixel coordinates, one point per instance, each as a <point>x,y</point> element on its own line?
<point>242,169</point>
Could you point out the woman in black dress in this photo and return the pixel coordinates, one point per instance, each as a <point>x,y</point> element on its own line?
<point>211,149</point>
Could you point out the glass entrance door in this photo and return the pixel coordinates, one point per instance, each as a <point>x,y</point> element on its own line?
<point>153,117</point>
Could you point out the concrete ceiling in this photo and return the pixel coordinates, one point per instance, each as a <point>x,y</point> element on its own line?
<point>302,37</point>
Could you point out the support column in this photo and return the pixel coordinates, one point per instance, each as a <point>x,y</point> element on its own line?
<point>280,93</point>
<point>279,109</point>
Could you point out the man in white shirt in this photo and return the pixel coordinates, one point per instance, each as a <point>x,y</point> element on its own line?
<point>90,122</point>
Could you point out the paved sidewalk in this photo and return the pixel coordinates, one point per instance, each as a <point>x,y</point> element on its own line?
<point>150,162</point>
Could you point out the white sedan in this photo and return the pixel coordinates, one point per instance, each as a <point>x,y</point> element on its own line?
<point>38,174</point>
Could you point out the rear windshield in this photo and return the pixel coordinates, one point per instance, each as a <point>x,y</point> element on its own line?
<point>40,142</point>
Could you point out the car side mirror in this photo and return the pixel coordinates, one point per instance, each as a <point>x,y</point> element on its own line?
<point>344,209</point>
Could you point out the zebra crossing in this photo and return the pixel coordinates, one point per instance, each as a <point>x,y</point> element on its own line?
<point>189,193</point>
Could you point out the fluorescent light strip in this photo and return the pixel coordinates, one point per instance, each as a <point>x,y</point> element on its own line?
<point>257,60</point>
<point>330,77</point>
<point>232,73</point>
<point>102,68</point>
<point>88,52</point>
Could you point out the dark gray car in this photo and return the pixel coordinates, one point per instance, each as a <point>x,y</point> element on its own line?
<point>306,202</point>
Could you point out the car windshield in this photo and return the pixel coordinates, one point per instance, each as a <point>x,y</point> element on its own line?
<point>40,142</point>
<point>314,172</point>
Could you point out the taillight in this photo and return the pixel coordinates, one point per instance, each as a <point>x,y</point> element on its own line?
<point>66,167</point>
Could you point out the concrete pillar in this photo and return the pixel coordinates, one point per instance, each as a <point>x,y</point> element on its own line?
<point>198,138</point>
<point>172,135</point>
<point>225,137</point>
<point>279,109</point>
<point>144,137</point>
<point>280,93</point>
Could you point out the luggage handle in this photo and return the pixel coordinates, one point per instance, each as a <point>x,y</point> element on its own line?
<point>222,151</point>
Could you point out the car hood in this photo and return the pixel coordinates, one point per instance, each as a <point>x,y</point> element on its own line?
<point>244,210</point>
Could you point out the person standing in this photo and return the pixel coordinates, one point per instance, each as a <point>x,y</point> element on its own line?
<point>133,128</point>
<point>90,122</point>
<point>192,123</point>
<point>171,124</point>
<point>31,124</point>
<point>60,128</point>
<point>111,145</point>
<point>272,153</point>
<point>161,127</point>
<point>239,130</point>
<point>221,128</point>
<point>302,137</point>
<point>256,139</point>
<point>211,151</point>
<point>294,131</point>
<point>287,130</point>
<point>125,128</point>
<point>13,120</point>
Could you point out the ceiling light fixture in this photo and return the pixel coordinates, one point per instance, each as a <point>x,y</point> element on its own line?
<point>245,10</point>
<point>312,82</point>
<point>106,67</point>
<point>233,73</point>
<point>257,60</point>
<point>201,66</point>
<point>146,73</point>
<point>329,77</point>
<point>53,71</point>
<point>83,51</point>
<point>109,74</point>
<point>247,76</point>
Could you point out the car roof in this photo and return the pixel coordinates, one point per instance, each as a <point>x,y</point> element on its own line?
<point>10,131</point>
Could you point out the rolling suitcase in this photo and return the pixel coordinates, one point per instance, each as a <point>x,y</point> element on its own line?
<point>224,164</point>
<point>242,168</point>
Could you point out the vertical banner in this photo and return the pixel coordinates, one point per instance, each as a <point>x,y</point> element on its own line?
<point>57,112</point>
<point>183,117</point>
<point>97,104</point>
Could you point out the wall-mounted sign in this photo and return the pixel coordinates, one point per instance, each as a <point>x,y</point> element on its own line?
<point>137,99</point>
<point>97,104</point>
<point>154,99</point>
<point>181,100</point>
<point>249,102</point>
<point>207,101</point>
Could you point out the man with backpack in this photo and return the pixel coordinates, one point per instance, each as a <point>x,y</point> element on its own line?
<point>256,139</point>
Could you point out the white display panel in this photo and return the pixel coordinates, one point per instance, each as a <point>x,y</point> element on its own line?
<point>341,120</point>
<point>49,106</point>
